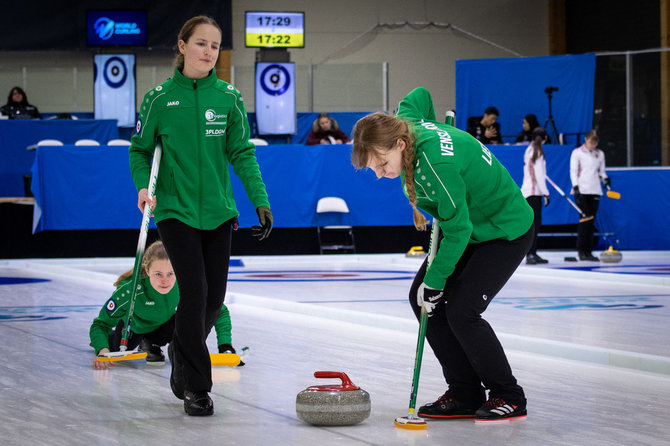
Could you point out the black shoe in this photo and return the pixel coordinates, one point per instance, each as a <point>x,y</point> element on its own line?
<point>176,375</point>
<point>540,260</point>
<point>589,258</point>
<point>531,259</point>
<point>498,409</point>
<point>447,407</point>
<point>154,353</point>
<point>198,403</point>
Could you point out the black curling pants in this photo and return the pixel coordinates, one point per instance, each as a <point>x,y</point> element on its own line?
<point>200,260</point>
<point>463,342</point>
<point>535,202</point>
<point>589,205</point>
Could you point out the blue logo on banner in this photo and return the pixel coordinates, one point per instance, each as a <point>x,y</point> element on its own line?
<point>116,27</point>
<point>104,28</point>
<point>275,80</point>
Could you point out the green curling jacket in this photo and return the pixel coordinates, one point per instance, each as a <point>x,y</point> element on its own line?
<point>458,181</point>
<point>203,127</point>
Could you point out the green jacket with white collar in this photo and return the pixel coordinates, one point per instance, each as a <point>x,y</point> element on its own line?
<point>459,182</point>
<point>203,127</point>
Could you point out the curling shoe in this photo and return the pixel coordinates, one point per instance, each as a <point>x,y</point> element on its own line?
<point>198,403</point>
<point>500,410</point>
<point>534,259</point>
<point>154,353</point>
<point>176,375</point>
<point>447,407</point>
<point>589,258</point>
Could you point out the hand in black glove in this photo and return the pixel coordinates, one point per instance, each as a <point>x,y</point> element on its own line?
<point>428,297</point>
<point>607,182</point>
<point>265,219</point>
<point>546,200</point>
<point>575,189</point>
<point>226,348</point>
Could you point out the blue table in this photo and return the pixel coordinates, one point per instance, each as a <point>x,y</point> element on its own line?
<point>91,188</point>
<point>16,135</point>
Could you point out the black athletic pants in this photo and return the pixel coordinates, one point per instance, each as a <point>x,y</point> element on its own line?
<point>161,336</point>
<point>200,260</point>
<point>589,206</point>
<point>463,342</point>
<point>535,202</point>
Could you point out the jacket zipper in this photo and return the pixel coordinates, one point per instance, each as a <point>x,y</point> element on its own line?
<point>198,149</point>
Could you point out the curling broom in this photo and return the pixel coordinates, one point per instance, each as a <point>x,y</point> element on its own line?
<point>412,421</point>
<point>583,216</point>
<point>123,354</point>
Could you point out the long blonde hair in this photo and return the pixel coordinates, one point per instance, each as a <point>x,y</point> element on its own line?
<point>186,32</point>
<point>378,133</point>
<point>155,251</point>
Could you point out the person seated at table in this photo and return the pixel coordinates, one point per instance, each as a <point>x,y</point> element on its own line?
<point>530,123</point>
<point>17,106</point>
<point>485,128</point>
<point>326,131</point>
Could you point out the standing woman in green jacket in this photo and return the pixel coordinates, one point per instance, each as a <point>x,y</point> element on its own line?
<point>202,124</point>
<point>487,229</point>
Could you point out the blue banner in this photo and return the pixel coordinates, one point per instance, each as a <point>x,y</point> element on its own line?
<point>516,87</point>
<point>114,76</point>
<point>275,98</point>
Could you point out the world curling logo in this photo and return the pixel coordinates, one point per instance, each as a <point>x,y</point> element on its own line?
<point>105,28</point>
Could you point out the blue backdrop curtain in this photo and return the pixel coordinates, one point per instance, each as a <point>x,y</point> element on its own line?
<point>517,87</point>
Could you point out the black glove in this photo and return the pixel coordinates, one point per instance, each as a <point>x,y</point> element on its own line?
<point>265,219</point>
<point>575,189</point>
<point>546,200</point>
<point>234,224</point>
<point>428,297</point>
<point>607,182</point>
<point>226,348</point>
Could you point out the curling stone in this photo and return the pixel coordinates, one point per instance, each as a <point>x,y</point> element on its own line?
<point>331,404</point>
<point>415,251</point>
<point>610,256</point>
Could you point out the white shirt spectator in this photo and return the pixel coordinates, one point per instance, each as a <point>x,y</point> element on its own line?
<point>587,169</point>
<point>534,175</point>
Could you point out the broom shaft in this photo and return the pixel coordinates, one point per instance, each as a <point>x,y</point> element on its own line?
<point>141,244</point>
<point>423,323</point>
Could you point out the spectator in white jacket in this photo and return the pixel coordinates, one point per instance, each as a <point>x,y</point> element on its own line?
<point>534,186</point>
<point>587,170</point>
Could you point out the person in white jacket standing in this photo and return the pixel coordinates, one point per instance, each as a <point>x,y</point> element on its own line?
<point>534,186</point>
<point>587,170</point>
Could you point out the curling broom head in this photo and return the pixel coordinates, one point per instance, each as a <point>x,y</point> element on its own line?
<point>411,422</point>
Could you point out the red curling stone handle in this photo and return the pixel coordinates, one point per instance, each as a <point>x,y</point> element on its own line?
<point>346,382</point>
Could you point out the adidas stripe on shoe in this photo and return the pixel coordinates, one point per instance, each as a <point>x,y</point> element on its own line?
<point>498,410</point>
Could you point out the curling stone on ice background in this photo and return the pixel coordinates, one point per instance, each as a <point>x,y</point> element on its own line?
<point>333,404</point>
<point>611,256</point>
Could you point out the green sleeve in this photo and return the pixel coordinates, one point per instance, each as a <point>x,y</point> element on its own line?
<point>110,314</point>
<point>242,154</point>
<point>417,105</point>
<point>223,327</point>
<point>454,216</point>
<point>143,142</point>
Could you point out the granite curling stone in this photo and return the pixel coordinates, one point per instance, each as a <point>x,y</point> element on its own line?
<point>610,256</point>
<point>331,404</point>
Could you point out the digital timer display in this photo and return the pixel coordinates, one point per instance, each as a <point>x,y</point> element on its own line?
<point>274,29</point>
